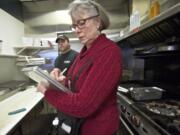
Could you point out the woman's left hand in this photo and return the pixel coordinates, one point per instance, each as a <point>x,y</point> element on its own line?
<point>42,87</point>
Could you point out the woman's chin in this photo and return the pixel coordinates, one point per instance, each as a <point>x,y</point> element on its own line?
<point>83,41</point>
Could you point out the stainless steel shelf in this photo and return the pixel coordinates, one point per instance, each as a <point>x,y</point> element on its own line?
<point>175,10</point>
<point>30,49</point>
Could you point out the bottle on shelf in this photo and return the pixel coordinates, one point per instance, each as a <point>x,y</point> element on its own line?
<point>154,9</point>
<point>135,21</point>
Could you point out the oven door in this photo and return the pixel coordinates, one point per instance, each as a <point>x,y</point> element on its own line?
<point>125,127</point>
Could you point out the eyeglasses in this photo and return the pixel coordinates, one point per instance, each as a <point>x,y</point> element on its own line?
<point>81,23</point>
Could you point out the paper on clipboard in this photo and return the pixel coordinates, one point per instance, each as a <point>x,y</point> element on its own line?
<point>39,75</point>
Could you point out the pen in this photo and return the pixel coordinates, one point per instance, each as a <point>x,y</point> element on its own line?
<point>17,111</point>
<point>63,71</point>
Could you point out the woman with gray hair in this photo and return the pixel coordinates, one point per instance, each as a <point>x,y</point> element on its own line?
<point>94,75</point>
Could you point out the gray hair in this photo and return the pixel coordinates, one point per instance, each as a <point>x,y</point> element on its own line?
<point>92,8</point>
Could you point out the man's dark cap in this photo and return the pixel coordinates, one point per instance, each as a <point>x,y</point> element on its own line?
<point>62,37</point>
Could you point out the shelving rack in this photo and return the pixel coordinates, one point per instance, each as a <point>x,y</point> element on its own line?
<point>159,29</point>
<point>29,50</point>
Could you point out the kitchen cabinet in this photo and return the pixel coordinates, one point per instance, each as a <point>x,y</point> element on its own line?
<point>28,99</point>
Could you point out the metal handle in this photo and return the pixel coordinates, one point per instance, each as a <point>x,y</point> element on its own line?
<point>126,126</point>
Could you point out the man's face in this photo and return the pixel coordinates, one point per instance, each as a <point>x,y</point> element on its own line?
<point>63,45</point>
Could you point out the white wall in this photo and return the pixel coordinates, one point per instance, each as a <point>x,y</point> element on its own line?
<point>8,70</point>
<point>75,44</point>
<point>11,32</point>
<point>142,6</point>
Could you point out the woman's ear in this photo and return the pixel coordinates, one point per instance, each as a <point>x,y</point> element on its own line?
<point>98,25</point>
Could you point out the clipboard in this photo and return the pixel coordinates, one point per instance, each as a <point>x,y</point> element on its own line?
<point>39,75</point>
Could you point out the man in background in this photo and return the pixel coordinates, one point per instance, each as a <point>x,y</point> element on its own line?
<point>66,54</point>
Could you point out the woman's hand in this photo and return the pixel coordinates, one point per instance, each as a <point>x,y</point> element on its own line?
<point>42,87</point>
<point>56,74</point>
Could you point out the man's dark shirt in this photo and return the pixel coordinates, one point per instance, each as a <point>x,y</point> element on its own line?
<point>65,60</point>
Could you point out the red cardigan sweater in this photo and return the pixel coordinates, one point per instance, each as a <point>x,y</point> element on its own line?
<point>95,95</point>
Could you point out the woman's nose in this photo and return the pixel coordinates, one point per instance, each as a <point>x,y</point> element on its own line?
<point>77,30</point>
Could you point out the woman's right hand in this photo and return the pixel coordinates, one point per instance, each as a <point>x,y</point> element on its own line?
<point>56,74</point>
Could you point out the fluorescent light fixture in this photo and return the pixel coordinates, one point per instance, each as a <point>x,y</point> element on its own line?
<point>51,18</point>
<point>26,0</point>
<point>64,32</point>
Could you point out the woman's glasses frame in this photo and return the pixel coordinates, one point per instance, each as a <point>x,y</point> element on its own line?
<point>81,23</point>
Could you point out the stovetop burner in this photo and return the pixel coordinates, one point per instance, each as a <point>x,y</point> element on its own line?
<point>155,116</point>
<point>170,108</point>
<point>165,113</point>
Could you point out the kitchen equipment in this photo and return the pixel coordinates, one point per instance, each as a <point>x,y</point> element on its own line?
<point>145,93</point>
<point>148,117</point>
<point>9,88</point>
<point>169,109</point>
